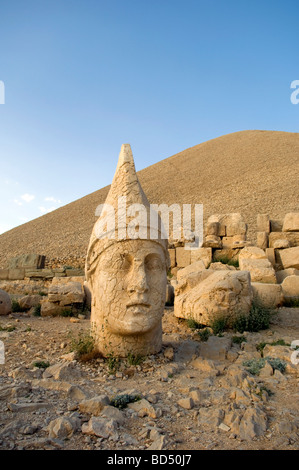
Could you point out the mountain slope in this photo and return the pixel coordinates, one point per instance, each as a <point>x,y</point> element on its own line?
<point>249,172</point>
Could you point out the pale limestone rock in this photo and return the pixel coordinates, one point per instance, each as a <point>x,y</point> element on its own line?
<point>63,428</point>
<point>289,257</point>
<point>212,228</point>
<point>221,267</point>
<point>29,301</point>
<point>276,238</point>
<point>262,240</point>
<point>213,294</point>
<point>270,253</point>
<point>202,254</point>
<point>290,287</point>
<point>215,348</point>
<point>95,405</point>
<point>144,408</point>
<point>212,241</point>
<point>276,225</point>
<point>192,268</point>
<point>172,257</point>
<point>66,294</point>
<point>127,274</point>
<point>281,275</point>
<point>291,222</point>
<point>5,303</point>
<point>252,252</point>
<point>253,424</point>
<point>229,224</point>
<point>50,308</point>
<point>100,427</point>
<point>263,223</point>
<point>267,295</point>
<point>261,270</point>
<point>278,244</point>
<point>183,257</point>
<point>186,403</point>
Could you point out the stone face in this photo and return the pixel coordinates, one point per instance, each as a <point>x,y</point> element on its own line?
<point>127,275</point>
<point>291,222</point>
<point>267,295</point>
<point>289,257</point>
<point>220,294</point>
<point>5,303</point>
<point>261,270</point>
<point>290,288</point>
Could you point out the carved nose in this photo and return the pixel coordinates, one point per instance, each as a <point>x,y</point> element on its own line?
<point>138,282</point>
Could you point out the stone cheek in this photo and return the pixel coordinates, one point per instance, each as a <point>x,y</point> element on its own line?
<point>128,291</point>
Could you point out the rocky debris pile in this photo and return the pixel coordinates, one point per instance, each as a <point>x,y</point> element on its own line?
<point>193,395</point>
<point>64,293</point>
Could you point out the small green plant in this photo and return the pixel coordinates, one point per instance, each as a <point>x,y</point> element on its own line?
<point>15,306</point>
<point>219,325</point>
<point>254,366</point>
<point>292,303</point>
<point>121,401</point>
<point>67,312</point>
<point>134,359</point>
<point>83,346</point>
<point>37,311</point>
<point>28,329</point>
<point>193,324</point>
<point>239,339</point>
<point>42,293</point>
<point>226,260</point>
<point>41,364</point>
<point>7,328</point>
<point>113,362</point>
<point>258,319</point>
<point>276,363</point>
<point>204,334</point>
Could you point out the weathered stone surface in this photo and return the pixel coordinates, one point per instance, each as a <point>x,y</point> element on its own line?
<point>144,408</point>
<point>229,224</point>
<point>4,273</point>
<point>16,274</point>
<point>276,238</point>
<point>63,428</point>
<point>39,273</point>
<point>278,244</point>
<point>252,252</point>
<point>212,228</point>
<point>14,390</point>
<point>221,267</point>
<point>261,270</point>
<point>276,225</point>
<point>172,257</point>
<point>127,275</point>
<point>268,295</point>
<point>113,413</point>
<point>215,348</point>
<point>221,294</point>
<point>29,301</point>
<point>291,222</point>
<point>207,365</point>
<point>100,427</point>
<point>212,241</point>
<point>186,403</point>
<point>281,275</point>
<point>5,303</point>
<point>290,287</point>
<point>94,405</point>
<point>263,223</point>
<point>202,254</point>
<point>289,258</point>
<point>51,308</point>
<point>270,253</point>
<point>66,294</point>
<point>30,260</point>
<point>62,371</point>
<point>253,424</point>
<point>192,268</point>
<point>183,257</point>
<point>262,240</point>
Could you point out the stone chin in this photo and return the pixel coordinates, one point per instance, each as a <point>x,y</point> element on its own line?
<point>139,320</point>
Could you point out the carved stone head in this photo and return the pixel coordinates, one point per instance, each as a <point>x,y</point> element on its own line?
<point>127,276</point>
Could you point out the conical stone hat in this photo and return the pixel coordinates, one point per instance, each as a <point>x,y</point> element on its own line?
<point>125,196</point>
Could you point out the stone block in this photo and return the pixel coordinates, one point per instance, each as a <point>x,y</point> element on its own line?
<point>291,222</point>
<point>263,223</point>
<point>276,225</point>
<point>262,240</point>
<point>290,288</point>
<point>203,254</point>
<point>289,258</point>
<point>172,258</point>
<point>281,275</point>
<point>270,253</point>
<point>4,274</point>
<point>267,295</point>
<point>291,237</point>
<point>183,257</point>
<point>261,270</point>
<point>29,260</point>
<point>16,274</point>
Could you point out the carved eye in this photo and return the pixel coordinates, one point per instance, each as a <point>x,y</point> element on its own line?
<point>124,262</point>
<point>153,263</point>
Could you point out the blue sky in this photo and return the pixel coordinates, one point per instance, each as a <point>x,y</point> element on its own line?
<point>83,77</point>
